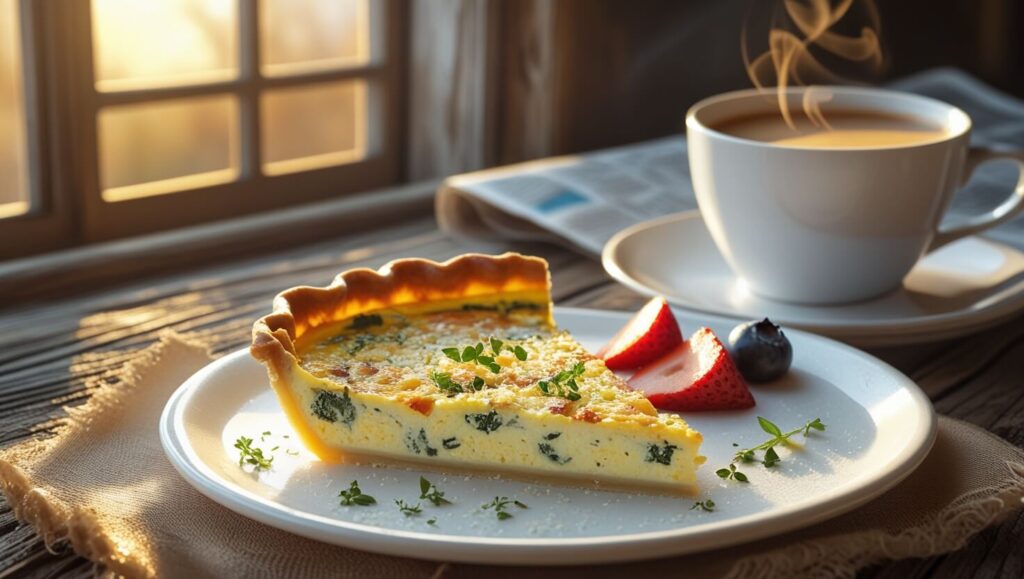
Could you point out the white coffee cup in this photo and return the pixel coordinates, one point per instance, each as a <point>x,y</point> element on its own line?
<point>832,225</point>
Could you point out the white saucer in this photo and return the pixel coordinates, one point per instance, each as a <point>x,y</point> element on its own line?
<point>962,288</point>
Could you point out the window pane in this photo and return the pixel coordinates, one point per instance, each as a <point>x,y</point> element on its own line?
<point>150,43</point>
<point>314,126</point>
<point>163,147</point>
<point>14,197</point>
<point>305,35</point>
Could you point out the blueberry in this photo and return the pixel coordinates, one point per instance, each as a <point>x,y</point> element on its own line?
<point>761,351</point>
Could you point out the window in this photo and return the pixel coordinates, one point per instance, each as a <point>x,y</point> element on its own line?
<point>123,117</point>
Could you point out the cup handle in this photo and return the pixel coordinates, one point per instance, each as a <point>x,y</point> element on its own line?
<point>1006,210</point>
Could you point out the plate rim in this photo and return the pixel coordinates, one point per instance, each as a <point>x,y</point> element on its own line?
<point>870,332</point>
<point>541,550</point>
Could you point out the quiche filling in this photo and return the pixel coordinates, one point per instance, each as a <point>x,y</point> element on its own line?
<point>486,382</point>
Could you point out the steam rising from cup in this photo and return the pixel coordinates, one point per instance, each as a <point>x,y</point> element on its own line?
<point>798,30</point>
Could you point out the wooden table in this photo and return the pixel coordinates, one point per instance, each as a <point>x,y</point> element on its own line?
<point>56,353</point>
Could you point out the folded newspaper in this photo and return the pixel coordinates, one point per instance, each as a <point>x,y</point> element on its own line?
<point>581,201</point>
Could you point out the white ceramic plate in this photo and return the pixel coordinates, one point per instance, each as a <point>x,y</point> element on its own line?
<point>880,427</point>
<point>964,287</point>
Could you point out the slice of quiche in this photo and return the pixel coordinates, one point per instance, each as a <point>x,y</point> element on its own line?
<point>460,364</point>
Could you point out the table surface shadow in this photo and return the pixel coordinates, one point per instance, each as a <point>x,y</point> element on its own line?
<point>979,378</point>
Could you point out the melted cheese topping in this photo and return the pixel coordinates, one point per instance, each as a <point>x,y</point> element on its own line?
<point>399,356</point>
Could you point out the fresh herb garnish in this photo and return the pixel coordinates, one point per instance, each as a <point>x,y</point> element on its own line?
<point>430,492</point>
<point>476,354</point>
<point>732,473</point>
<point>708,505</point>
<point>564,383</point>
<point>520,353</point>
<point>407,509</point>
<point>500,506</point>
<point>444,382</point>
<point>771,457</point>
<point>355,496</point>
<point>249,454</point>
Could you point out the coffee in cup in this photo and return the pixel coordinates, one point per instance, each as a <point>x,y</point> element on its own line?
<point>837,209</point>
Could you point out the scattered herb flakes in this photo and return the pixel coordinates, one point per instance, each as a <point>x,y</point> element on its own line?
<point>708,505</point>
<point>450,443</point>
<point>363,321</point>
<point>430,492</point>
<point>563,384</point>
<point>432,521</point>
<point>330,407</point>
<point>249,454</point>
<point>732,473</point>
<point>660,454</point>
<point>486,423</point>
<point>407,509</point>
<point>292,452</point>
<point>500,506</point>
<point>552,435</point>
<point>355,496</point>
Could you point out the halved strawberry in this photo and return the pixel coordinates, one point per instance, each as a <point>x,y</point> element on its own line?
<point>646,337</point>
<point>697,375</point>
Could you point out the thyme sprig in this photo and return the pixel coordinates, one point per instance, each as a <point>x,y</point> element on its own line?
<point>354,496</point>
<point>564,383</point>
<point>407,509</point>
<point>500,506</point>
<point>770,457</point>
<point>249,454</point>
<point>430,492</point>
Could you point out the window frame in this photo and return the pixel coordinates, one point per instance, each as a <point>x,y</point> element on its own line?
<point>62,104</point>
<point>49,222</point>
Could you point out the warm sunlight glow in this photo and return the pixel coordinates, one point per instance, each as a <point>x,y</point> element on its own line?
<point>309,35</point>
<point>163,147</point>
<point>311,127</point>
<point>14,198</point>
<point>151,43</point>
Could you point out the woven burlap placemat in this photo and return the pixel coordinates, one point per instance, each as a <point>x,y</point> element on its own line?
<point>103,485</point>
